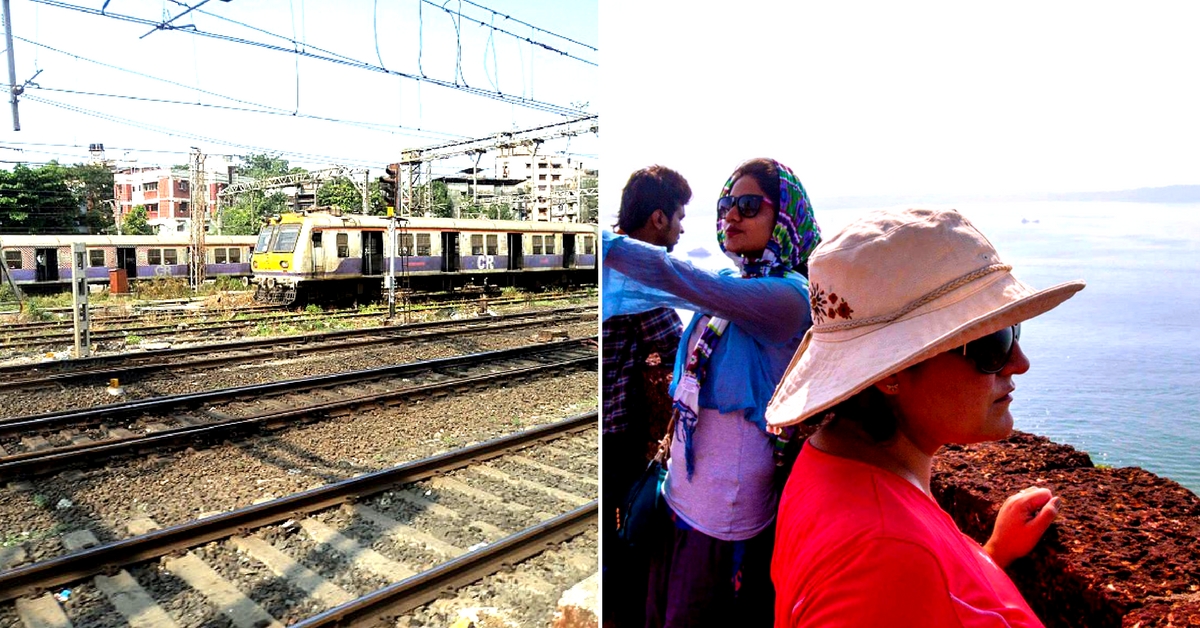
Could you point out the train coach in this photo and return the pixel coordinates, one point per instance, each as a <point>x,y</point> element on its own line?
<point>323,254</point>
<point>44,262</point>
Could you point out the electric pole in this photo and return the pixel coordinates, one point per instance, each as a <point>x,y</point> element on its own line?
<point>199,204</point>
<point>13,89</point>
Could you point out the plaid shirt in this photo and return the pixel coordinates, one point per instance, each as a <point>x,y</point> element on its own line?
<point>628,341</point>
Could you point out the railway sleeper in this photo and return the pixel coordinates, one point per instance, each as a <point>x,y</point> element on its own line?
<point>226,595</point>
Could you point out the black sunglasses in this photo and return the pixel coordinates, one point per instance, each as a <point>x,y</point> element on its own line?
<point>993,351</point>
<point>747,205</point>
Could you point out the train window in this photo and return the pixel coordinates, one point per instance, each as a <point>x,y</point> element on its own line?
<point>423,245</point>
<point>154,257</point>
<point>285,242</point>
<point>492,247</point>
<point>406,244</point>
<point>477,244</point>
<point>587,245</point>
<point>550,244</point>
<point>171,256</point>
<point>235,256</point>
<point>264,239</point>
<point>13,259</point>
<point>536,242</point>
<point>96,258</point>
<point>219,256</point>
<point>343,245</point>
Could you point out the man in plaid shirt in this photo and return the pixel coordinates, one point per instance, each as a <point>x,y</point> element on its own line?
<point>636,345</point>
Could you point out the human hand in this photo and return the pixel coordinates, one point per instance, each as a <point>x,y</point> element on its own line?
<point>1023,519</point>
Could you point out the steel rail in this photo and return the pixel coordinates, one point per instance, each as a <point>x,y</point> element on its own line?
<point>193,327</point>
<point>391,601</point>
<point>53,460</point>
<point>202,327</point>
<point>40,422</point>
<point>298,345</point>
<point>60,365</point>
<point>130,318</point>
<point>109,557</point>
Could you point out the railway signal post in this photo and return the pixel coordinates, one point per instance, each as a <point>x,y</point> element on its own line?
<point>390,280</point>
<point>79,290</point>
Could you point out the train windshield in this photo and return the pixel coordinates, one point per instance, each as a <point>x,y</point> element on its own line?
<point>264,239</point>
<point>285,242</point>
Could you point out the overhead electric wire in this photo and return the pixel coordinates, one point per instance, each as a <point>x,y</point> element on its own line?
<point>371,126</point>
<point>421,133</point>
<point>175,133</point>
<point>509,17</point>
<point>500,96</point>
<point>510,34</point>
<point>193,136</point>
<point>493,27</point>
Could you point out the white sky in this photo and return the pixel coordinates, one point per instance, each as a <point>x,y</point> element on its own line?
<point>875,98</point>
<point>432,114</point>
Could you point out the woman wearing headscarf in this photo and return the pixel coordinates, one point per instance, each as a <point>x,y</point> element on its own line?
<point>721,486</point>
<point>914,346</point>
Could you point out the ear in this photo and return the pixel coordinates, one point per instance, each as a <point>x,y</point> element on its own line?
<point>889,385</point>
<point>660,220</point>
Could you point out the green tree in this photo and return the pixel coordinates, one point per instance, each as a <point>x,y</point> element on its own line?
<point>262,166</point>
<point>37,201</point>
<point>500,211</point>
<point>244,216</point>
<point>92,185</point>
<point>135,223</point>
<point>589,200</point>
<point>442,203</point>
<point>344,195</point>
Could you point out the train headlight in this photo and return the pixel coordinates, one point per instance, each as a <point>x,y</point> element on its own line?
<point>283,264</point>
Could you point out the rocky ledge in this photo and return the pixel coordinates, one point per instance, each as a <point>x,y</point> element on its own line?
<point>1124,552</point>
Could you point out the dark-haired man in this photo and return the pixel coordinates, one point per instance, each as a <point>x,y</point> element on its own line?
<point>636,347</point>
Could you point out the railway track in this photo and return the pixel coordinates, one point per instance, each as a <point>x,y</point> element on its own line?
<point>40,336</point>
<point>128,367</point>
<point>49,442</point>
<point>358,551</point>
<point>44,327</point>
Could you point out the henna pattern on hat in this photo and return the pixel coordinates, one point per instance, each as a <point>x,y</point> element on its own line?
<point>828,306</point>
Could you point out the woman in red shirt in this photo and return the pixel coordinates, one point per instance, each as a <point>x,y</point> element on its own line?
<point>914,345</point>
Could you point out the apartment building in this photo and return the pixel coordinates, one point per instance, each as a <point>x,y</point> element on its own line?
<point>551,182</point>
<point>165,193</point>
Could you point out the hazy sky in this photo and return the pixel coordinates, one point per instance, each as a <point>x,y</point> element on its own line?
<point>874,98</point>
<point>409,36</point>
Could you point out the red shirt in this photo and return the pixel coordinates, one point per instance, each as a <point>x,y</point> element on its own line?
<point>856,545</point>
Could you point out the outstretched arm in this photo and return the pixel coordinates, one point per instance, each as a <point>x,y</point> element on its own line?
<point>772,309</point>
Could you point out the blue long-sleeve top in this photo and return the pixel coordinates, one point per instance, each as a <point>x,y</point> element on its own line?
<point>768,318</point>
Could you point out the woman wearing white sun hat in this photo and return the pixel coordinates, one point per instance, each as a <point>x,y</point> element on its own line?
<point>914,346</point>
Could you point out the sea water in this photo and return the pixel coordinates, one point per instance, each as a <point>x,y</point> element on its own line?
<point>1115,369</point>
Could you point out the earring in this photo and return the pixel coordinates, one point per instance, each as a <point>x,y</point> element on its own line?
<point>892,388</point>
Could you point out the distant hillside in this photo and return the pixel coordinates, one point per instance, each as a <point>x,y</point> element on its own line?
<point>1168,194</point>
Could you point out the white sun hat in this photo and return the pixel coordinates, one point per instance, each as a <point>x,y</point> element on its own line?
<point>893,289</point>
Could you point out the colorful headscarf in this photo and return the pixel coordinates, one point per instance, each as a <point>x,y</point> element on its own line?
<point>796,233</point>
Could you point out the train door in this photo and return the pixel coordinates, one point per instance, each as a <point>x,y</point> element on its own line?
<point>516,254</point>
<point>47,264</point>
<point>568,250</point>
<point>372,252</point>
<point>318,251</point>
<point>127,259</point>
<point>450,259</point>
